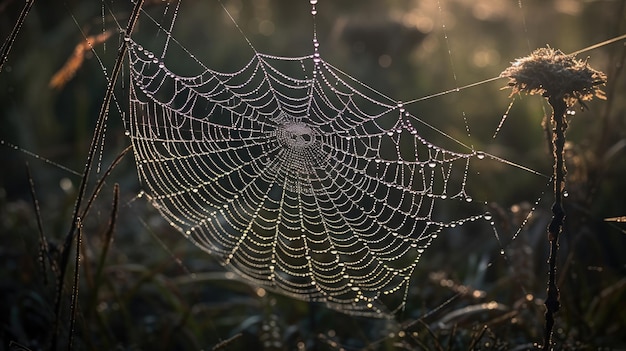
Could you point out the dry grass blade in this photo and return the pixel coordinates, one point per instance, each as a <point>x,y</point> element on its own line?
<point>108,237</point>
<point>44,253</point>
<point>620,219</point>
<point>15,346</point>
<point>222,345</point>
<point>6,47</point>
<point>74,62</point>
<point>102,180</point>
<point>74,302</point>
<point>98,132</point>
<point>430,332</point>
<point>476,338</point>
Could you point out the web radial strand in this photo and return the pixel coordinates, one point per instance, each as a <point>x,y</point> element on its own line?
<point>294,178</point>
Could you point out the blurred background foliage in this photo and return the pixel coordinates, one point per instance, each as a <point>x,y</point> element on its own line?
<point>148,288</point>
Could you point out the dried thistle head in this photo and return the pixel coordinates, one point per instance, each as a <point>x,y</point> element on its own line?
<point>551,73</point>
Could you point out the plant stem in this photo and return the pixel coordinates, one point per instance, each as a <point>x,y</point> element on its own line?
<point>74,302</point>
<point>99,130</point>
<point>6,47</point>
<point>552,303</point>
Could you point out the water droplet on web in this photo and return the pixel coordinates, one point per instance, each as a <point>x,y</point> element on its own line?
<point>314,12</point>
<point>313,2</point>
<point>565,193</point>
<point>401,107</point>
<point>502,252</point>
<point>127,133</point>
<point>377,166</point>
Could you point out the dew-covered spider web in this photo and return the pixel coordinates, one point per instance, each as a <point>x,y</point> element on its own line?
<point>293,174</point>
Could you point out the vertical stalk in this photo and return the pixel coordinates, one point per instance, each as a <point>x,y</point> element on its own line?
<point>558,213</point>
<point>98,133</point>
<point>6,47</point>
<point>565,81</point>
<point>74,302</point>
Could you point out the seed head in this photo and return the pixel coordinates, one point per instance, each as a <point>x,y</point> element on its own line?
<point>551,73</point>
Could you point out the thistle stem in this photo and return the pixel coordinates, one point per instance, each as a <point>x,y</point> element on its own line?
<point>552,303</point>
<point>565,81</point>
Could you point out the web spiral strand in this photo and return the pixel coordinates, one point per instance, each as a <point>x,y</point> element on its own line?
<point>293,177</point>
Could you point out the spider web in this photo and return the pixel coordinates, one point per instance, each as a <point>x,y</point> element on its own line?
<point>295,175</point>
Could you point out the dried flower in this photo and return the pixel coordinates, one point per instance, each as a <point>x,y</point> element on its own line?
<point>551,73</point>
<point>564,80</point>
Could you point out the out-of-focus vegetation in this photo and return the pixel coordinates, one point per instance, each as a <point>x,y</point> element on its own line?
<point>148,288</point>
